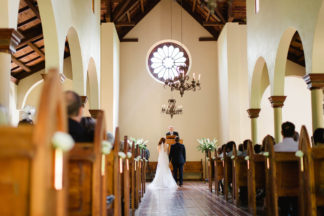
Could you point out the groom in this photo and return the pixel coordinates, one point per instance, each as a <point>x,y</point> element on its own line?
<point>177,157</point>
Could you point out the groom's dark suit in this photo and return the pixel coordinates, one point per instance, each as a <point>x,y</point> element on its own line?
<point>177,157</point>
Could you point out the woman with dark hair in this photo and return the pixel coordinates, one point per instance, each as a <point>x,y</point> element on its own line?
<point>163,177</point>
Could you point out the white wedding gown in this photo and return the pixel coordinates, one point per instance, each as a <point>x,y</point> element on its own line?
<point>163,177</point>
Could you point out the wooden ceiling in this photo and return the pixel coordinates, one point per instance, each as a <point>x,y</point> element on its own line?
<point>30,55</point>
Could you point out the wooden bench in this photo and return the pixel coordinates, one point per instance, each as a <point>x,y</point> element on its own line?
<point>133,179</point>
<point>86,195</point>
<point>113,177</point>
<point>282,176</point>
<point>310,175</point>
<point>190,167</point>
<point>227,174</point>
<point>256,177</point>
<point>27,185</point>
<point>219,171</point>
<point>239,178</point>
<point>125,177</point>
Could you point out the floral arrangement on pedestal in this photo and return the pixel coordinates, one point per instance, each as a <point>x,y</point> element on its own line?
<point>206,144</point>
<point>140,142</point>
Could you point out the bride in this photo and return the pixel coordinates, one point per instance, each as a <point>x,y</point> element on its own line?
<point>163,177</point>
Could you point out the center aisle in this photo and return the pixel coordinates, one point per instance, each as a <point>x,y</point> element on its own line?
<point>192,199</point>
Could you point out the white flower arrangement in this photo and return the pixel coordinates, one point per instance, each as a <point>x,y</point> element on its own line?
<point>299,154</point>
<point>63,141</point>
<point>106,147</point>
<point>232,157</point>
<point>266,154</point>
<point>206,144</point>
<point>138,158</point>
<point>140,142</point>
<point>129,154</point>
<point>247,158</point>
<point>122,155</point>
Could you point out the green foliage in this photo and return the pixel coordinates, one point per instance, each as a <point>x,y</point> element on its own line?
<point>206,144</point>
<point>140,142</point>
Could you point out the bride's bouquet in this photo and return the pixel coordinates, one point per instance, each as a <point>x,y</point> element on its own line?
<point>140,142</point>
<point>206,144</point>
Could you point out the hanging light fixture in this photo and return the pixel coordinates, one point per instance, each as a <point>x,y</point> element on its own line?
<point>172,109</point>
<point>182,82</point>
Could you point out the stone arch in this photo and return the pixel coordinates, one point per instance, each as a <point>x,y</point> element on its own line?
<point>23,103</point>
<point>76,61</point>
<point>92,85</point>
<point>260,81</point>
<point>318,44</point>
<point>50,34</point>
<point>281,61</point>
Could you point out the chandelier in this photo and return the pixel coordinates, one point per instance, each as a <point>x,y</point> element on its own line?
<point>181,83</point>
<point>172,109</point>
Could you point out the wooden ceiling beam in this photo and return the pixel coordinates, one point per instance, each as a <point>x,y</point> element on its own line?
<point>207,17</point>
<point>220,15</point>
<point>33,69</point>
<point>132,24</point>
<point>109,11</point>
<point>230,16</point>
<point>37,50</point>
<point>121,9</point>
<point>213,24</point>
<point>27,21</point>
<point>20,64</point>
<point>128,17</point>
<point>31,5</point>
<point>31,34</point>
<point>194,4</point>
<point>142,6</point>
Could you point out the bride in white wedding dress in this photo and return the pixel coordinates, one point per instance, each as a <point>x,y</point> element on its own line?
<point>163,178</point>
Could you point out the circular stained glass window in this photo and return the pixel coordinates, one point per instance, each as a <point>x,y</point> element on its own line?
<point>164,60</point>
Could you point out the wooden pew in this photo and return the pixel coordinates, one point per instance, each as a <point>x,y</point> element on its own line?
<point>137,178</point>
<point>227,174</point>
<point>210,165</point>
<point>86,196</point>
<point>27,185</point>
<point>133,179</point>
<point>240,173</point>
<point>113,180</point>
<point>282,176</point>
<point>125,175</point>
<point>256,177</point>
<point>143,172</point>
<point>310,175</point>
<point>219,171</point>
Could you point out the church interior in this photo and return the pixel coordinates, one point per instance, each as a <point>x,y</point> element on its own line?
<point>89,87</point>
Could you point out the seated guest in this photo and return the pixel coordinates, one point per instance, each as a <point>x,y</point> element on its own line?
<point>240,150</point>
<point>318,136</point>
<point>110,137</point>
<point>27,114</point>
<point>229,148</point>
<point>74,112</point>
<point>245,148</point>
<point>26,122</point>
<point>288,143</point>
<point>257,149</point>
<point>89,124</point>
<point>172,132</point>
<point>220,151</point>
<point>296,136</point>
<point>146,153</point>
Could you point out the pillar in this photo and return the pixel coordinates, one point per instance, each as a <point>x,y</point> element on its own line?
<point>254,115</point>
<point>9,40</point>
<point>277,103</point>
<point>315,82</point>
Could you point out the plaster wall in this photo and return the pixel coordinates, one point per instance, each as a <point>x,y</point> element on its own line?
<point>141,97</point>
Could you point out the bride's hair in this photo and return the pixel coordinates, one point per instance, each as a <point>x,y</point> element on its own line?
<point>162,140</point>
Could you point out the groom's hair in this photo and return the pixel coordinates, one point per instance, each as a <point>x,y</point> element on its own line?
<point>177,139</point>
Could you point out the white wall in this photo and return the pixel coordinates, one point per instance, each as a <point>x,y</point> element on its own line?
<point>141,97</point>
<point>233,84</point>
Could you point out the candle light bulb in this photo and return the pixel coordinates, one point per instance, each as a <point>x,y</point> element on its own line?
<point>199,77</point>
<point>193,75</point>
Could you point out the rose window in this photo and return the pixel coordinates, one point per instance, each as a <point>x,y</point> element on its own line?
<point>165,59</point>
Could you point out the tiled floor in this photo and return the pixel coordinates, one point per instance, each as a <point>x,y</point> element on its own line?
<point>193,199</point>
